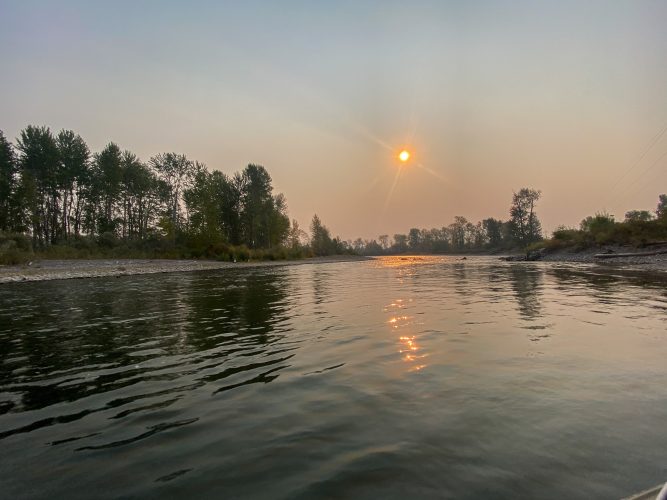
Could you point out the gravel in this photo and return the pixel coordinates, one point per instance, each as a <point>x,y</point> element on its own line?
<point>651,263</point>
<point>71,269</point>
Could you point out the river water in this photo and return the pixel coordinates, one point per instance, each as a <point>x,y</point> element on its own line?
<point>421,376</point>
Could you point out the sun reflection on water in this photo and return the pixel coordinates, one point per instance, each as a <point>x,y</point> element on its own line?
<point>408,346</point>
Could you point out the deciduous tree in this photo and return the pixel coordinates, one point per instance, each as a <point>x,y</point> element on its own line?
<point>525,224</point>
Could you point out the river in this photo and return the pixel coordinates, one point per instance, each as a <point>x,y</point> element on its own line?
<point>400,376</point>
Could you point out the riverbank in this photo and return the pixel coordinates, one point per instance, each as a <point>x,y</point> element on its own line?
<point>650,263</point>
<point>46,270</point>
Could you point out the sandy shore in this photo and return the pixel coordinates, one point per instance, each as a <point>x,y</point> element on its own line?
<point>71,269</point>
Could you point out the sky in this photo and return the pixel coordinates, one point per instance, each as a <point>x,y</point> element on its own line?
<point>567,97</point>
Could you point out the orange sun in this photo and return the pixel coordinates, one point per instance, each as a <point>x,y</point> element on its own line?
<point>404,156</point>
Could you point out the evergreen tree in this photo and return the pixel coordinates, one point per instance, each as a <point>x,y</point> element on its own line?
<point>74,177</point>
<point>320,238</point>
<point>40,172</point>
<point>8,184</point>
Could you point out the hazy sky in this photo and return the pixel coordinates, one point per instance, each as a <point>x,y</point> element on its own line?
<point>562,96</point>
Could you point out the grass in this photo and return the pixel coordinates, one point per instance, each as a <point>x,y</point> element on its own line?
<point>17,249</point>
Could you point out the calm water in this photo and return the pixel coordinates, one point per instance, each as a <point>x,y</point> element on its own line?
<point>428,377</point>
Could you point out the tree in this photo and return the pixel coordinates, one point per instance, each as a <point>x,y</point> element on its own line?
<point>457,232</point>
<point>598,223</point>
<point>400,243</point>
<point>8,183</point>
<point>51,188</point>
<point>477,236</point>
<point>257,206</point>
<point>231,206</point>
<point>202,200</point>
<point>358,245</point>
<point>320,238</point>
<point>106,188</point>
<point>40,169</point>
<point>177,172</point>
<point>74,158</point>
<point>414,239</point>
<point>384,241</point>
<point>279,225</point>
<point>493,228</point>
<point>661,210</point>
<point>440,240</point>
<point>525,224</point>
<point>296,235</point>
<point>638,216</point>
<point>372,247</point>
<point>142,195</point>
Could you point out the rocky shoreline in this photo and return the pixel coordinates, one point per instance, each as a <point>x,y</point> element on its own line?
<point>651,263</point>
<point>46,270</point>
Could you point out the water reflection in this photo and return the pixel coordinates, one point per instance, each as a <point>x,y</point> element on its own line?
<point>107,335</point>
<point>527,284</point>
<point>606,281</point>
<point>295,382</point>
<point>403,325</point>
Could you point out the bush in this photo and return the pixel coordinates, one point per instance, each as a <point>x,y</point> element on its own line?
<point>107,240</point>
<point>241,254</point>
<point>11,255</point>
<point>15,249</point>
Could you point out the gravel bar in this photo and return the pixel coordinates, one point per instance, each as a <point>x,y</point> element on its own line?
<point>45,270</point>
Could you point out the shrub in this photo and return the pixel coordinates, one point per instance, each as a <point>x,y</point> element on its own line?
<point>107,240</point>
<point>15,249</point>
<point>241,254</point>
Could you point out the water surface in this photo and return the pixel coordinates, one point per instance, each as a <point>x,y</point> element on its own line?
<point>424,376</point>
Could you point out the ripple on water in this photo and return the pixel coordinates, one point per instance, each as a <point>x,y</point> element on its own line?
<point>409,375</point>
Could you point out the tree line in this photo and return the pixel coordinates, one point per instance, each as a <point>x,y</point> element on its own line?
<point>522,229</point>
<point>55,191</point>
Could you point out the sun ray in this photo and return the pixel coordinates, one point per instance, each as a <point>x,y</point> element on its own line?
<point>433,173</point>
<point>391,190</point>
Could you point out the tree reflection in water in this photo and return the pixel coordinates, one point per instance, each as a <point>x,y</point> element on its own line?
<point>527,282</point>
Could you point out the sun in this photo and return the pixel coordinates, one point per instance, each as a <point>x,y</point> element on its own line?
<point>404,156</point>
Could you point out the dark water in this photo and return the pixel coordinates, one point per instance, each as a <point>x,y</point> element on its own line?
<point>427,377</point>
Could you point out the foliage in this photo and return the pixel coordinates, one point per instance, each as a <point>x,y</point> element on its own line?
<point>638,229</point>
<point>526,227</point>
<point>463,236</point>
<point>72,204</point>
<point>14,248</point>
<point>8,181</point>
<point>661,210</point>
<point>320,238</point>
<point>638,216</point>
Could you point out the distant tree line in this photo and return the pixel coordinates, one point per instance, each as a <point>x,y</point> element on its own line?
<point>57,193</point>
<point>522,229</point>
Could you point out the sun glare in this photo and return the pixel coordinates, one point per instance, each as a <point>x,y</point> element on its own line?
<point>404,156</point>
